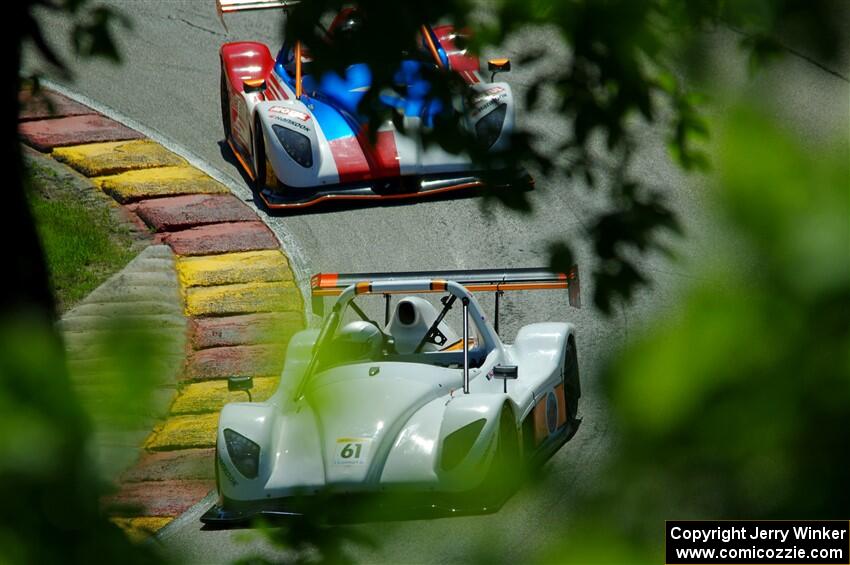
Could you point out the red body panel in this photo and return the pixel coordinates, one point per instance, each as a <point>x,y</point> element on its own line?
<point>241,61</point>
<point>358,160</point>
<point>351,164</point>
<point>245,60</point>
<point>467,66</point>
<point>382,156</point>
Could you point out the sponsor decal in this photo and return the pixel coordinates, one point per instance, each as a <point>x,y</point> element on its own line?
<point>351,450</point>
<point>291,123</point>
<point>494,93</point>
<point>289,112</point>
<point>481,110</point>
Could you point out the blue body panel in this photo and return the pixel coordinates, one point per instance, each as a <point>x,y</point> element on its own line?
<point>334,98</point>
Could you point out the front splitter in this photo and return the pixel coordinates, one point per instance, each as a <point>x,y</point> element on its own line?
<point>289,198</point>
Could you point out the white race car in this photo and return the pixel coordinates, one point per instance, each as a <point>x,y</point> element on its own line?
<point>411,407</point>
<point>302,140</point>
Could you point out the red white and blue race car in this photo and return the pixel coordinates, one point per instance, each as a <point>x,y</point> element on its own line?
<point>301,140</point>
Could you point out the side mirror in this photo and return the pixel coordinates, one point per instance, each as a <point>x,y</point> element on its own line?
<point>498,66</point>
<point>241,383</point>
<point>505,372</point>
<point>254,85</point>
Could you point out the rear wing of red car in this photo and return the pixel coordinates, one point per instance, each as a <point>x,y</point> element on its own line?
<point>231,6</point>
<point>228,6</point>
<point>483,280</point>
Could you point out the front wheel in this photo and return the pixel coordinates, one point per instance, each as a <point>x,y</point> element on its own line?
<point>264,176</point>
<point>505,471</point>
<point>225,105</point>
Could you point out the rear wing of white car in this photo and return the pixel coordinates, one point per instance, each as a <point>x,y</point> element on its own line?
<point>483,280</point>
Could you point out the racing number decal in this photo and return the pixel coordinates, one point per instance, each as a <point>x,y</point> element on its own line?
<point>351,450</point>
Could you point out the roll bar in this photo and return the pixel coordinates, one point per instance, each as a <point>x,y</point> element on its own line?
<point>349,293</point>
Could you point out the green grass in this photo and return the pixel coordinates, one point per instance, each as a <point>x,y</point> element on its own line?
<point>83,241</point>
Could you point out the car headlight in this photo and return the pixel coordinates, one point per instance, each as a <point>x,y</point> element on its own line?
<point>297,145</point>
<point>489,127</point>
<point>457,444</point>
<point>244,453</point>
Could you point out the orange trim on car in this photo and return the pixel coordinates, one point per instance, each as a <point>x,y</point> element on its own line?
<point>431,47</point>
<point>458,345</point>
<point>438,285</point>
<point>324,280</point>
<point>241,160</point>
<point>298,70</point>
<point>562,404</point>
<point>363,288</point>
<point>541,426</point>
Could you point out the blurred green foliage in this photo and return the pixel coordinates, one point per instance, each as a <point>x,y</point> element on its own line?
<point>734,404</point>
<point>48,483</point>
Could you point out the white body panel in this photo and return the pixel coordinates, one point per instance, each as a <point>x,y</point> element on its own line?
<point>397,412</point>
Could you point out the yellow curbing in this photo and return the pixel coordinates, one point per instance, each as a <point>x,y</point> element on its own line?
<point>139,529</point>
<point>183,432</point>
<point>211,396</point>
<point>160,181</point>
<point>242,298</point>
<point>231,268</point>
<point>98,159</point>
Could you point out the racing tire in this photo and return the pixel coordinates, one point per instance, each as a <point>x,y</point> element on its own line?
<point>264,175</point>
<point>572,384</point>
<point>225,105</point>
<point>259,152</point>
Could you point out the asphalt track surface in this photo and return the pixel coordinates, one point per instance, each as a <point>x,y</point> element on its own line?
<point>169,83</point>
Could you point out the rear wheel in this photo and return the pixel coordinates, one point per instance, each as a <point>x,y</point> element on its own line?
<point>572,385</point>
